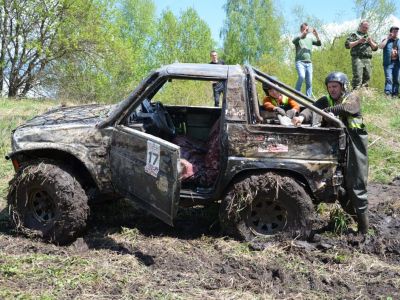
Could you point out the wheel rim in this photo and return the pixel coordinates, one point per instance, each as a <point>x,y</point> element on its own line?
<point>266,217</point>
<point>42,205</point>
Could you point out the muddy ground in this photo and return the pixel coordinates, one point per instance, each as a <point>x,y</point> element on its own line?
<point>127,254</point>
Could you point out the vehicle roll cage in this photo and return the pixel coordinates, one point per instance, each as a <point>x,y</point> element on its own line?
<point>286,90</point>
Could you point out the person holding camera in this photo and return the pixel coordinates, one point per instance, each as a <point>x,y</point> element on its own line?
<point>391,61</point>
<point>304,43</point>
<point>361,46</point>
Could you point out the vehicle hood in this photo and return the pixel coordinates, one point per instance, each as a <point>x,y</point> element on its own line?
<point>74,115</point>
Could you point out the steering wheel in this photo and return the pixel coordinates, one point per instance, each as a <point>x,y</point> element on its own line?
<point>157,120</point>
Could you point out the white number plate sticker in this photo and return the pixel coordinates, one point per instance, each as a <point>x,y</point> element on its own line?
<point>152,159</point>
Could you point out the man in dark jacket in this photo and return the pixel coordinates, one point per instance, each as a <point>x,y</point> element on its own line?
<point>218,87</point>
<point>391,61</point>
<point>347,106</point>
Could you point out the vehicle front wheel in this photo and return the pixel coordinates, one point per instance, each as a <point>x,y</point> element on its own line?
<point>45,200</point>
<point>264,204</point>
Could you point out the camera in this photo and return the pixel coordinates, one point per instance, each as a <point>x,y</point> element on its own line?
<point>310,29</point>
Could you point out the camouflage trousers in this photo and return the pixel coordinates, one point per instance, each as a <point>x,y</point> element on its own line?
<point>361,71</point>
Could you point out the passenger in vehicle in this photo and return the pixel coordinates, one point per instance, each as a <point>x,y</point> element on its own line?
<point>282,105</point>
<point>347,106</point>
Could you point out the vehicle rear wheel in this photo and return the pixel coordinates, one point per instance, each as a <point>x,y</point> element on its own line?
<point>265,204</point>
<point>45,200</point>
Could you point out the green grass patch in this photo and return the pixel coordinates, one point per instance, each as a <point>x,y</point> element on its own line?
<point>12,114</point>
<point>340,221</point>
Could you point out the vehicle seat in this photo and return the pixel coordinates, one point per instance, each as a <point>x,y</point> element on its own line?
<point>199,161</point>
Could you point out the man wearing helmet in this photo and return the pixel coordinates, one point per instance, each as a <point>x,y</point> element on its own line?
<point>347,107</point>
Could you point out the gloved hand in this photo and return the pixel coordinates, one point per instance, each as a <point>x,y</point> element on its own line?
<point>279,111</point>
<point>328,111</point>
<point>291,113</point>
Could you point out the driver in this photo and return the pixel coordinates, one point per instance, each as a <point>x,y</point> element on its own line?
<point>347,107</point>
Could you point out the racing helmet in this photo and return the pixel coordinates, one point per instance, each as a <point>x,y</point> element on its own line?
<point>339,77</point>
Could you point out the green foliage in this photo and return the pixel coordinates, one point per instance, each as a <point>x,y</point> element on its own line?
<point>104,72</point>
<point>376,12</point>
<point>341,258</point>
<point>129,42</point>
<point>331,57</point>
<point>186,92</point>
<point>184,39</point>
<point>195,38</point>
<point>251,31</point>
<point>47,32</point>
<point>14,113</point>
<point>322,208</point>
<point>167,38</point>
<point>382,121</point>
<point>340,221</point>
<point>137,24</point>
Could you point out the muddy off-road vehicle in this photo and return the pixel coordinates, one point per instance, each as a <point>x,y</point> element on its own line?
<point>268,177</point>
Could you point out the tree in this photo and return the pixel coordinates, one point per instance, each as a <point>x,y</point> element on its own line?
<point>120,54</point>
<point>252,30</point>
<point>195,42</point>
<point>166,42</point>
<point>37,33</point>
<point>138,25</point>
<point>376,12</point>
<point>184,39</point>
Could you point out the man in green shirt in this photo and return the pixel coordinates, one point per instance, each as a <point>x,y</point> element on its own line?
<point>304,43</point>
<point>361,46</point>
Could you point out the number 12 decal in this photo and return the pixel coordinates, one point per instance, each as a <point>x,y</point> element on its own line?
<point>152,159</point>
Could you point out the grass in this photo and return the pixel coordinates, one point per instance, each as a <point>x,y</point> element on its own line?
<point>340,221</point>
<point>383,124</point>
<point>12,114</point>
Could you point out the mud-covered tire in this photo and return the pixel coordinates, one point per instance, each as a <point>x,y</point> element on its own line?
<point>46,201</point>
<point>265,204</point>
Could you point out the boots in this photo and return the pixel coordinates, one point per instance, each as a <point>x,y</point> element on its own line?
<point>363,222</point>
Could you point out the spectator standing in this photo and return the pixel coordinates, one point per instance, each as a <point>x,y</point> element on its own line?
<point>218,87</point>
<point>304,44</point>
<point>391,61</point>
<point>361,46</point>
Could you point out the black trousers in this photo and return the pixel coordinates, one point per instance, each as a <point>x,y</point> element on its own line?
<point>218,89</point>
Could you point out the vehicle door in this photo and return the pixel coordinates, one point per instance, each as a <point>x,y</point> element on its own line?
<point>145,169</point>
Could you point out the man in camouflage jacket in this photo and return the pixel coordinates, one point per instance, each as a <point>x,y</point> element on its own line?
<point>361,46</point>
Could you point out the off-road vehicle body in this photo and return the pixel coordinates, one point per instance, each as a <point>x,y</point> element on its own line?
<point>267,176</point>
